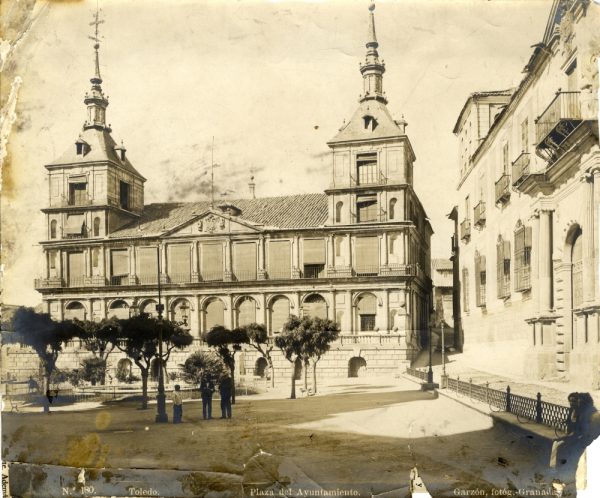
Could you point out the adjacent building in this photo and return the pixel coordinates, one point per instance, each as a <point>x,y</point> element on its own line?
<point>529,183</point>
<point>357,253</point>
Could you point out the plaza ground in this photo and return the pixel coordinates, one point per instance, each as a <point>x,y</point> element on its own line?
<point>361,434</point>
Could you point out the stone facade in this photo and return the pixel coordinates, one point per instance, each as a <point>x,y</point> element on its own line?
<point>529,185</point>
<point>359,253</point>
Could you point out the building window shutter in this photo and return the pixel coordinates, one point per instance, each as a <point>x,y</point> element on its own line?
<point>522,256</point>
<point>314,251</point>
<point>499,269</point>
<point>211,261</point>
<point>119,263</point>
<point>280,312</point>
<point>246,312</point>
<point>180,262</point>
<point>367,254</point>
<point>244,261</point>
<point>280,264</point>
<point>147,265</point>
<point>214,314</point>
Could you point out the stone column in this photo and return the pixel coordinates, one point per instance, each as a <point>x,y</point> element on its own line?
<point>262,273</point>
<point>330,251</point>
<point>296,257</point>
<point>349,314</point>
<point>349,251</point>
<point>132,271</point>
<point>195,270</point>
<point>163,263</point>
<point>545,260</point>
<point>87,261</point>
<point>589,280</point>
<point>535,261</point>
<point>333,306</point>
<point>228,270</point>
<point>384,247</point>
<point>596,219</point>
<point>229,322</point>
<point>386,312</point>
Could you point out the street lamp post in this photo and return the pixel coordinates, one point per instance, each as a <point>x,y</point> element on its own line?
<point>161,411</point>
<point>430,385</point>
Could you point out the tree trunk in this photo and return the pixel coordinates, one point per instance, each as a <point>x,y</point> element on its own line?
<point>103,376</point>
<point>272,368</point>
<point>305,376</point>
<point>293,395</point>
<point>232,370</point>
<point>144,372</point>
<point>315,377</point>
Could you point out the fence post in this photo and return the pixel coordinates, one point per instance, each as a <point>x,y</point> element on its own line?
<point>508,399</point>
<point>538,408</point>
<point>470,388</point>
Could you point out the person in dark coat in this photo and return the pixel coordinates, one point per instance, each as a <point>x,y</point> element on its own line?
<point>207,389</point>
<point>225,389</point>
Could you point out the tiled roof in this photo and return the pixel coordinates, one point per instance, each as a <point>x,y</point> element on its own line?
<point>355,128</point>
<point>292,211</point>
<point>441,264</point>
<point>102,148</point>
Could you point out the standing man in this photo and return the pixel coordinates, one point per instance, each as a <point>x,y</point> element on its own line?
<point>177,405</point>
<point>206,392</point>
<point>225,388</point>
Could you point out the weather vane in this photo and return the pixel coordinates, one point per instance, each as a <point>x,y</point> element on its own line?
<point>96,22</point>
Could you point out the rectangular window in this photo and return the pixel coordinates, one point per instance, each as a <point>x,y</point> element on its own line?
<point>313,258</point>
<point>124,195</point>
<point>525,135</point>
<point>211,261</point>
<point>179,259</point>
<point>244,261</point>
<point>76,268</point>
<point>367,323</point>
<point>78,193</point>
<point>503,256</point>
<point>366,165</point>
<point>95,257</point>
<point>280,259</point>
<point>366,208</point>
<point>52,255</point>
<point>119,266</point>
<point>74,226</point>
<point>522,258</point>
<point>367,256</point>
<point>147,265</point>
<point>338,246</point>
<point>480,281</point>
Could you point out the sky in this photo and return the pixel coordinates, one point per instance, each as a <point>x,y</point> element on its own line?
<point>271,81</point>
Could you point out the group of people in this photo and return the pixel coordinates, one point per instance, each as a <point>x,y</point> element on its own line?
<point>207,389</point>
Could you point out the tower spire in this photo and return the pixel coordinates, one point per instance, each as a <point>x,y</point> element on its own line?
<point>95,100</point>
<point>372,70</point>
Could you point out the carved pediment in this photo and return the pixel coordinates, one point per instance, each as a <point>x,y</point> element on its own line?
<point>215,223</point>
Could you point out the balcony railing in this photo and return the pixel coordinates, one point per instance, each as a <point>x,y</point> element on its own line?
<point>479,214</point>
<point>558,120</point>
<point>179,278</point>
<point>212,276</point>
<point>119,280</point>
<point>367,271</point>
<point>76,281</point>
<point>522,278</point>
<point>48,283</point>
<point>502,189</point>
<point>373,338</point>
<point>313,271</point>
<point>465,230</point>
<point>279,274</point>
<point>147,279</point>
<point>520,169</point>
<point>246,275</point>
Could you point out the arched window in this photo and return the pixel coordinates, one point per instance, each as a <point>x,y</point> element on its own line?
<point>53,225</point>
<point>149,308</point>
<point>96,227</point>
<point>246,311</point>
<point>180,311</point>
<point>366,308</point>
<point>75,310</point>
<point>392,210</point>
<point>215,314</point>
<point>118,309</point>
<point>315,306</point>
<point>280,312</point>
<point>338,212</point>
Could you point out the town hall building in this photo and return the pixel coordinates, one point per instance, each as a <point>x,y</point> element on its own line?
<point>357,253</point>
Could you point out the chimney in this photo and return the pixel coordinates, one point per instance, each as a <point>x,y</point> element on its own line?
<point>402,124</point>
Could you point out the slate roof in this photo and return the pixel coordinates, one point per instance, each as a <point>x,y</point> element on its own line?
<point>291,211</point>
<point>102,148</point>
<point>355,128</point>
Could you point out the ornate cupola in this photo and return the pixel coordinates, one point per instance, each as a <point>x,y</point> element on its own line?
<point>372,69</point>
<point>95,100</point>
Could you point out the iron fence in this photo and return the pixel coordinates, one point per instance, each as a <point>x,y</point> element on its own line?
<point>534,409</point>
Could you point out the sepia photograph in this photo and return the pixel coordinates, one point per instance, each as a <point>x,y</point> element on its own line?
<point>309,248</point>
